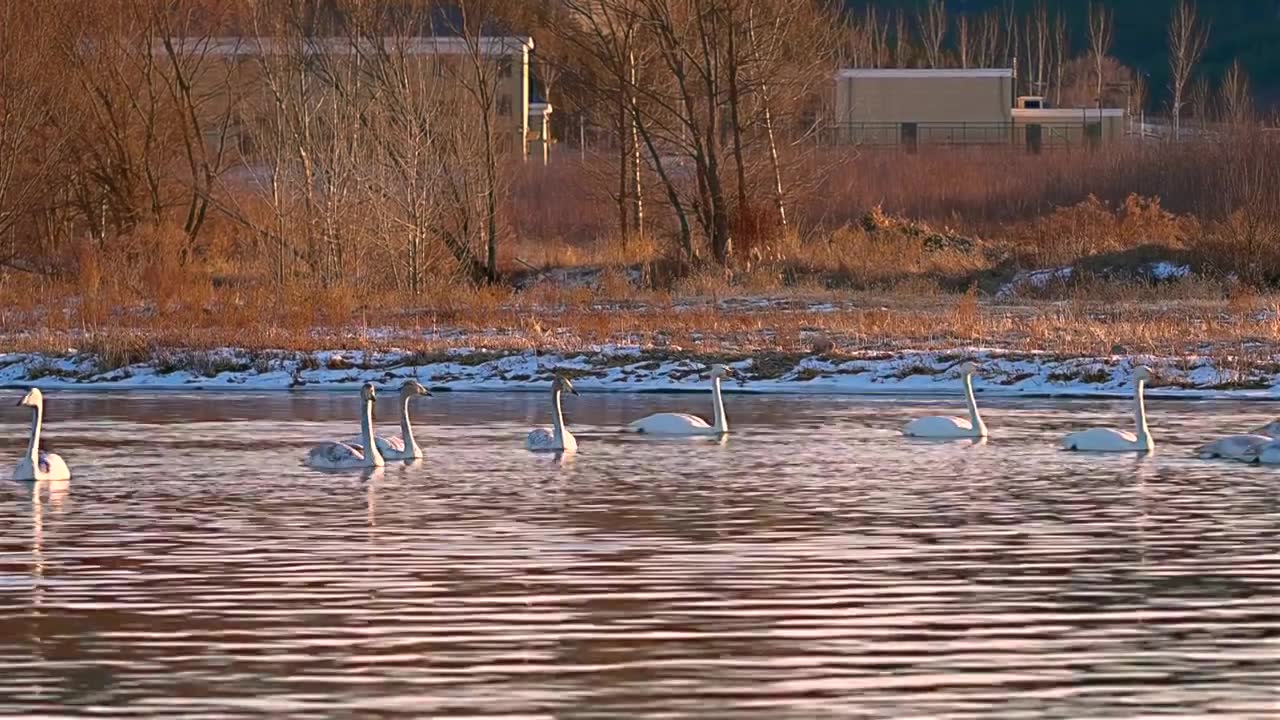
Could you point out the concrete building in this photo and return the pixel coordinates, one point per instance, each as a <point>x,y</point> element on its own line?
<point>912,107</point>
<point>435,64</point>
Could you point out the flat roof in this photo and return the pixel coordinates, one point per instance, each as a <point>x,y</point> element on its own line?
<point>422,45</point>
<point>907,73</point>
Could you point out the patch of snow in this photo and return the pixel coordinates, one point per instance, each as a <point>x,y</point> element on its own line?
<point>1034,280</point>
<point>631,368</point>
<point>1165,270</point>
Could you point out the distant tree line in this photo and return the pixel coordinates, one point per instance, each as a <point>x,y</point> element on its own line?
<point>123,124</point>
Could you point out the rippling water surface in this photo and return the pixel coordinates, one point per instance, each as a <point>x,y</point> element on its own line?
<point>815,565</point>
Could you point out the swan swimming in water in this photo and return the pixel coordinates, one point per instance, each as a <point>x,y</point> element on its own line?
<point>684,424</point>
<point>346,456</point>
<point>1111,440</point>
<point>37,465</point>
<point>404,447</point>
<point>556,438</point>
<point>940,426</point>
<point>1245,448</point>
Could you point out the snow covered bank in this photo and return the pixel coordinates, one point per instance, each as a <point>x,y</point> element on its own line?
<point>630,369</point>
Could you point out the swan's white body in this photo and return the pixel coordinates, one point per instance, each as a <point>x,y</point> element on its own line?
<point>1269,453</point>
<point>404,447</point>
<point>36,465</point>
<point>348,456</point>
<point>685,424</point>
<point>1111,440</point>
<point>942,426</point>
<point>556,438</point>
<point>1245,448</point>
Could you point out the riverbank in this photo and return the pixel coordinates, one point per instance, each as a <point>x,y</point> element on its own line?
<point>636,369</point>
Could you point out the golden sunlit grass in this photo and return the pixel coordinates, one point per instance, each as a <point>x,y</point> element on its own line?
<point>1097,320</point>
<point>895,252</point>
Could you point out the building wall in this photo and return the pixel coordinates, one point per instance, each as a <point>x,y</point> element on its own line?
<point>910,107</point>
<point>1065,127</point>
<point>434,66</point>
<point>923,96</point>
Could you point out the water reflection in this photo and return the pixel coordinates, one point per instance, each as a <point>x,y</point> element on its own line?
<point>818,565</point>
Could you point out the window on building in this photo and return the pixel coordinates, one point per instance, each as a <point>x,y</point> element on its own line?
<point>504,67</point>
<point>504,105</point>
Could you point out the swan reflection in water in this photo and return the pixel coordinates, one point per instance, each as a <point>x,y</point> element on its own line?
<point>56,492</point>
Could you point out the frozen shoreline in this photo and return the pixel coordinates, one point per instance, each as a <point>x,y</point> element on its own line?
<point>635,369</point>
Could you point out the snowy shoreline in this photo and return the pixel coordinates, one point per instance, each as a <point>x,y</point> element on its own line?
<point>635,369</point>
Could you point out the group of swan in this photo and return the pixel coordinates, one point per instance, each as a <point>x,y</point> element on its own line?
<point>1261,446</point>
<point>1094,440</point>
<point>557,438</point>
<point>370,450</point>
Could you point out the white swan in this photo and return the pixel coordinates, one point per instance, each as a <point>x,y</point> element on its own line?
<point>684,424</point>
<point>1110,440</point>
<point>404,447</point>
<point>556,438</point>
<point>37,465</point>
<point>344,456</point>
<point>1269,453</point>
<point>1245,448</point>
<point>939,426</point>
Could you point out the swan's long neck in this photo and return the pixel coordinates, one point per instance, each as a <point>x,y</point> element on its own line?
<point>557,419</point>
<point>717,402</point>
<point>406,429</point>
<point>974,418</point>
<point>366,435</point>
<point>1140,411</point>
<point>33,445</point>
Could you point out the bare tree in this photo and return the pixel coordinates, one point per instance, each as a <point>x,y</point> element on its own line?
<point>29,156</point>
<point>901,40</point>
<point>1235,103</point>
<point>879,34</point>
<point>1200,98</point>
<point>1038,40</point>
<point>1187,40</point>
<point>933,31</point>
<point>1101,32</point>
<point>480,80</point>
<point>964,41</point>
<point>987,50</point>
<point>1061,47</point>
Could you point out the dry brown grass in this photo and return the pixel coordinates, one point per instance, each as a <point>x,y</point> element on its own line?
<point>886,284</point>
<point>704,314</point>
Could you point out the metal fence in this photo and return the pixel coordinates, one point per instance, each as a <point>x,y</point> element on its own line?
<point>1033,136</point>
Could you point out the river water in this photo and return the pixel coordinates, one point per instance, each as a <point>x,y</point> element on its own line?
<point>815,565</point>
